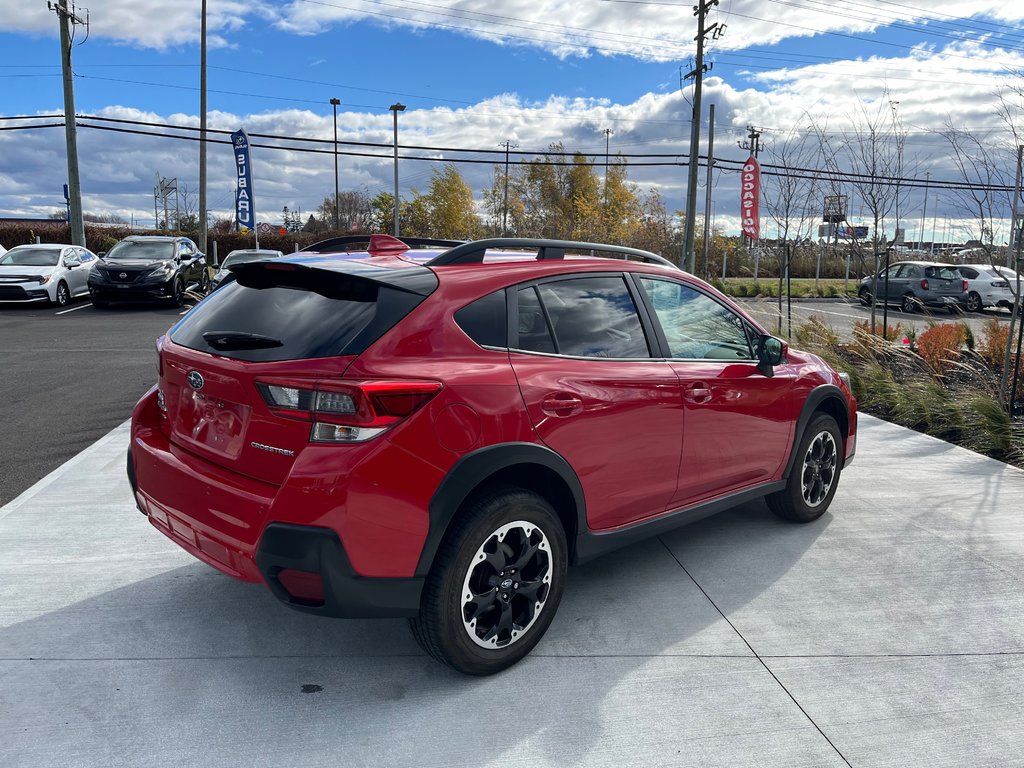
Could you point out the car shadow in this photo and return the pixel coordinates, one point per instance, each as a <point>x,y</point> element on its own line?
<point>187,634</point>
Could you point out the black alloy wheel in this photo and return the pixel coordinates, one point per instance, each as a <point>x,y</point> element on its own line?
<point>864,295</point>
<point>178,292</point>
<point>495,584</point>
<point>814,478</point>
<point>909,303</point>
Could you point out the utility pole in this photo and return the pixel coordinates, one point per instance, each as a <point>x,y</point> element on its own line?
<point>1013,261</point>
<point>68,19</point>
<point>337,195</point>
<point>607,145</point>
<point>508,145</point>
<point>924,210</point>
<point>707,187</point>
<point>700,11</point>
<point>395,109</point>
<point>203,224</point>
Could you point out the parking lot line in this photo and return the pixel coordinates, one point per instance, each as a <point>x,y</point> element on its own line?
<point>73,309</point>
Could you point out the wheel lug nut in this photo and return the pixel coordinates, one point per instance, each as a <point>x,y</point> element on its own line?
<point>516,586</point>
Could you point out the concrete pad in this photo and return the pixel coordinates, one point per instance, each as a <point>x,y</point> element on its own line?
<point>940,712</point>
<point>117,648</point>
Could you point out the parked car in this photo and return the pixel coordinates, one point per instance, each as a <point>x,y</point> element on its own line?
<point>439,435</point>
<point>242,256</point>
<point>917,284</point>
<point>48,272</point>
<point>149,268</point>
<point>988,286</point>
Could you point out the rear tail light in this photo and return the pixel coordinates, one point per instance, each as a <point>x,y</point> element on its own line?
<point>348,412</point>
<point>924,285</point>
<point>996,284</point>
<point>965,286</point>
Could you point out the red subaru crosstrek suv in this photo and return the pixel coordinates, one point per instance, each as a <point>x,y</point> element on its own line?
<point>439,434</point>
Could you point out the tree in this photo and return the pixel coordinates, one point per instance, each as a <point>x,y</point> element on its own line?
<point>355,212</point>
<point>449,206</point>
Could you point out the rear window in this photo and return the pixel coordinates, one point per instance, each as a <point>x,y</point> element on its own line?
<point>295,315</point>
<point>942,273</point>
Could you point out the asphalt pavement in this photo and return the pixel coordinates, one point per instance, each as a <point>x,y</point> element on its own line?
<point>888,633</point>
<point>67,377</point>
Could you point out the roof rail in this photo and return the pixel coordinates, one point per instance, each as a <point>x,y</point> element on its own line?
<point>474,251</point>
<point>337,244</point>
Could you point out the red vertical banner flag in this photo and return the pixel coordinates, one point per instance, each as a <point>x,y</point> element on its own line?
<point>750,196</point>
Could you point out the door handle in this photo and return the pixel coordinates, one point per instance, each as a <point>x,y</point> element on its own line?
<point>698,392</point>
<point>561,404</point>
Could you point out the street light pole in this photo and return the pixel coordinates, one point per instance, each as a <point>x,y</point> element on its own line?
<point>337,198</point>
<point>395,109</point>
<point>203,227</point>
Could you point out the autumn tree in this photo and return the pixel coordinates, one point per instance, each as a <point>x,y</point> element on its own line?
<point>354,211</point>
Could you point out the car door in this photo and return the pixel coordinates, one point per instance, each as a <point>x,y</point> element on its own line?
<point>74,273</point>
<point>738,422</point>
<point>186,252</point>
<point>595,395</point>
<point>887,293</point>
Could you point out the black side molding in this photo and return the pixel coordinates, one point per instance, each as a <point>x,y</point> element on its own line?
<point>346,593</point>
<point>815,398</point>
<point>473,469</point>
<point>591,544</point>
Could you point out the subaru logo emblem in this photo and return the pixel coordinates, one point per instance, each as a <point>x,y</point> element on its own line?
<point>195,380</point>
<point>123,275</point>
<point>506,583</point>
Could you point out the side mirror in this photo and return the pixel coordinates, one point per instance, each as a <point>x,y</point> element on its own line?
<point>770,352</point>
<point>101,254</point>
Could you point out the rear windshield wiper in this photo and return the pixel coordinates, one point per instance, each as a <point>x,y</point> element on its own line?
<point>226,340</point>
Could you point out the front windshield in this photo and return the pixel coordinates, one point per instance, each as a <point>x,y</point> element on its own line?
<point>31,257</point>
<point>142,250</point>
<point>244,257</point>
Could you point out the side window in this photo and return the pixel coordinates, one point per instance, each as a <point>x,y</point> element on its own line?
<point>485,321</point>
<point>184,249</point>
<point>970,274</point>
<point>532,331</point>
<point>594,317</point>
<point>84,256</point>
<point>892,271</point>
<point>696,326</point>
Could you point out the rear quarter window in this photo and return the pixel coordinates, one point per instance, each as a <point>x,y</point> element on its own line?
<point>485,321</point>
<point>942,273</point>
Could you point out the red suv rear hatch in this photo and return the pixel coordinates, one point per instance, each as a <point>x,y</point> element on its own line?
<point>233,371</point>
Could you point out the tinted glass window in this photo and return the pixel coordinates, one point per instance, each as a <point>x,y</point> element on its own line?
<point>485,321</point>
<point>594,317</point>
<point>31,257</point>
<point>970,274</point>
<point>532,329</point>
<point>696,326</point>
<point>142,249</point>
<point>311,314</point>
<point>942,273</point>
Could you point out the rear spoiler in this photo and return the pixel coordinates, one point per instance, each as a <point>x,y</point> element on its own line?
<point>339,276</point>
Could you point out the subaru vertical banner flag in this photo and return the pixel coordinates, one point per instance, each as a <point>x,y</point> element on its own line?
<point>750,196</point>
<point>245,213</point>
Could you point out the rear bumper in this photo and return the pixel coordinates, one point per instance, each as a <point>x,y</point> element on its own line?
<point>226,520</point>
<point>319,551</point>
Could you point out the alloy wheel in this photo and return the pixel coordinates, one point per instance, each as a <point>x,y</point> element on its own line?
<point>819,470</point>
<point>506,585</point>
<point>63,295</point>
<point>973,302</point>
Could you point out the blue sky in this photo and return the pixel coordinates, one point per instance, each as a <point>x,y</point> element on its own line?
<point>473,74</point>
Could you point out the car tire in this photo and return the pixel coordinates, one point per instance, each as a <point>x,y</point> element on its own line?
<point>815,475</point>
<point>204,282</point>
<point>63,295</point>
<point>909,304</point>
<point>973,302</point>
<point>476,614</point>
<point>178,292</point>
<point>864,296</point>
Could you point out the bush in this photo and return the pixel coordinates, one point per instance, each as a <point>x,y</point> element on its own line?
<point>940,345</point>
<point>992,346</point>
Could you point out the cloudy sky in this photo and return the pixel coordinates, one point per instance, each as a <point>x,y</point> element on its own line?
<point>474,74</point>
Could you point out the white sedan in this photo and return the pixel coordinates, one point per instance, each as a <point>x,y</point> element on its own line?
<point>988,286</point>
<point>48,273</point>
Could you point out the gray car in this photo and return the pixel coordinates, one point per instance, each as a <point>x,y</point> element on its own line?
<point>917,284</point>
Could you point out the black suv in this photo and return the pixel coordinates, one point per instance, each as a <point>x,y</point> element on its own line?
<point>149,268</point>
